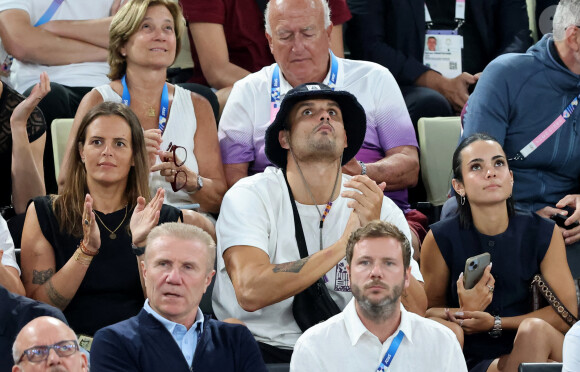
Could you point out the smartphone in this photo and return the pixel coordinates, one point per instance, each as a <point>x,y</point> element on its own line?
<point>474,267</point>
<point>560,218</point>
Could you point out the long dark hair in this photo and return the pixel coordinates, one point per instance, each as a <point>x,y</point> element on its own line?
<point>465,218</point>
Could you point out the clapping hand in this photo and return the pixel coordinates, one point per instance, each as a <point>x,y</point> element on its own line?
<point>91,233</point>
<point>146,217</point>
<point>366,198</point>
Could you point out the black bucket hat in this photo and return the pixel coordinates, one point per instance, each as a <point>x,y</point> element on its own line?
<point>355,122</point>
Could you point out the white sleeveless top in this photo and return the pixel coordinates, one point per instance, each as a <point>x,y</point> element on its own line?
<point>180,129</point>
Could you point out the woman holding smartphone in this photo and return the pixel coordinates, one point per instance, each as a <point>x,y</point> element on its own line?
<point>493,319</point>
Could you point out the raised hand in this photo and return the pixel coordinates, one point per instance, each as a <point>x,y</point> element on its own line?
<point>146,217</point>
<point>22,112</point>
<point>91,232</point>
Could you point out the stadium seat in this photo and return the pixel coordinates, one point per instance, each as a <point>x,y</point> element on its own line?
<point>60,129</point>
<point>437,140</point>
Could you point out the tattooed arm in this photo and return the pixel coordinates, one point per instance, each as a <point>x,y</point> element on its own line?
<point>259,283</point>
<point>38,267</point>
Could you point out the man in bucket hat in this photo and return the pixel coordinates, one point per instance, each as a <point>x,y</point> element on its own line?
<point>260,269</point>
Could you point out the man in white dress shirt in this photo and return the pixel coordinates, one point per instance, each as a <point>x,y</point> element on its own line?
<point>374,332</point>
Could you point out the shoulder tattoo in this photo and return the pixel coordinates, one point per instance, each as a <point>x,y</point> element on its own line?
<point>40,277</point>
<point>291,267</point>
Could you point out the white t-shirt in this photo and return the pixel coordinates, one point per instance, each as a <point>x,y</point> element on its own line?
<point>88,74</point>
<point>7,245</point>
<point>343,343</point>
<point>257,212</point>
<point>571,350</point>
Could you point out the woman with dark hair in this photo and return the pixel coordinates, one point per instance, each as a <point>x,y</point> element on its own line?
<point>144,39</point>
<point>493,320</point>
<point>79,247</point>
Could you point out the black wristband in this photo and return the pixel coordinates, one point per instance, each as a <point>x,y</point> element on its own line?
<point>137,251</point>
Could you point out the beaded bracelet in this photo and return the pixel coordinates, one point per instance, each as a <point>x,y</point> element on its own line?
<point>82,258</point>
<point>84,249</point>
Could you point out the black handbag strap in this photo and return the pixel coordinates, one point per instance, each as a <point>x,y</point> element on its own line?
<point>299,232</point>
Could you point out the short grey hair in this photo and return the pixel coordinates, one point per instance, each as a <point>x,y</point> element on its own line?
<point>324,3</point>
<point>567,14</point>
<point>184,231</point>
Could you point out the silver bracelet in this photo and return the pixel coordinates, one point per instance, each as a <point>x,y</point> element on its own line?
<point>363,166</point>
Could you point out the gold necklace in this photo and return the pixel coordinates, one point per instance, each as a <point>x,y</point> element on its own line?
<point>112,234</point>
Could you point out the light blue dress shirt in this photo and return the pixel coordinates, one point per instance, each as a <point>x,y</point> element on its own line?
<point>185,339</point>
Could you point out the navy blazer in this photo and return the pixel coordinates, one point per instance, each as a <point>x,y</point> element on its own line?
<point>392,32</point>
<point>15,312</point>
<point>143,344</point>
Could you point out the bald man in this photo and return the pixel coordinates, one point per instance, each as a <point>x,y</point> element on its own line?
<point>47,344</point>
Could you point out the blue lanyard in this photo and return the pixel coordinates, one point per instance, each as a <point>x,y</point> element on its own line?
<point>164,102</point>
<point>275,90</point>
<point>391,352</point>
<point>49,12</point>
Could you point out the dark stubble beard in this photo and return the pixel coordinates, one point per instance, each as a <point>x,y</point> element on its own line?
<point>378,311</point>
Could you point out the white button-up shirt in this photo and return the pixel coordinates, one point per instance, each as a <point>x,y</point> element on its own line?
<point>343,343</point>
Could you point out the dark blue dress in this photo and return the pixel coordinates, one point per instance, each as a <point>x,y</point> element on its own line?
<point>516,255</point>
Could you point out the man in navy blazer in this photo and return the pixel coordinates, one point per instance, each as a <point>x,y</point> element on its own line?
<point>171,333</point>
<point>392,33</point>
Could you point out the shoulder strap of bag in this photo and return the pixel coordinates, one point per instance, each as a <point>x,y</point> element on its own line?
<point>553,300</point>
<point>300,240</point>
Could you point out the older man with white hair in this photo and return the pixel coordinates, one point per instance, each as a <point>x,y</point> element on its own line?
<point>299,35</point>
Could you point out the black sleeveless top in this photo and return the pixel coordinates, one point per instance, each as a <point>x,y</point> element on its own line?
<point>516,255</point>
<point>111,289</point>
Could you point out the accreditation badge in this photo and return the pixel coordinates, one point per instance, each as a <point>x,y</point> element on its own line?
<point>443,52</point>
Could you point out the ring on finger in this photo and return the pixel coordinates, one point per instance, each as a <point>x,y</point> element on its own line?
<point>491,288</point>
<point>461,323</point>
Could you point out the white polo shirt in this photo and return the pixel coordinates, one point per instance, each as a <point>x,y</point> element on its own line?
<point>343,343</point>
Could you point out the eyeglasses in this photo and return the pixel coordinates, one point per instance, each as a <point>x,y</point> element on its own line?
<point>39,353</point>
<point>180,178</point>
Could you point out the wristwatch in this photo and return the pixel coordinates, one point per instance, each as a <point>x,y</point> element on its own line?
<point>137,251</point>
<point>363,166</point>
<point>495,332</point>
<point>199,185</point>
